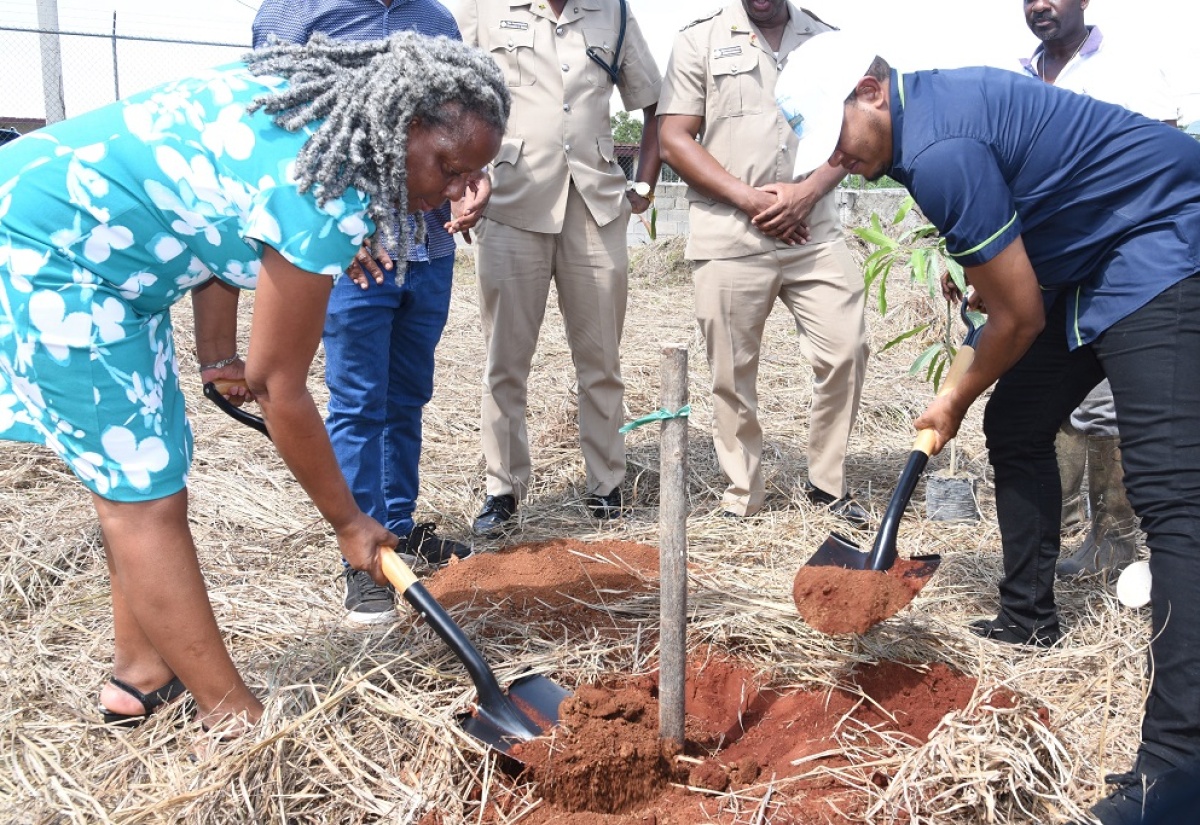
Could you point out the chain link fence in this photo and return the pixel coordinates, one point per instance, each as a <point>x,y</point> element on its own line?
<point>96,68</point>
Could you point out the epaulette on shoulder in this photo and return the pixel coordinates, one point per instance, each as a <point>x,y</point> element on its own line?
<point>819,20</point>
<point>707,17</point>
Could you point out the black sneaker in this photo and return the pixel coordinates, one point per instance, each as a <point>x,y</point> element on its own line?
<point>1153,793</point>
<point>496,511</point>
<point>845,508</point>
<point>606,506</point>
<point>424,547</point>
<point>366,601</point>
<point>1000,630</point>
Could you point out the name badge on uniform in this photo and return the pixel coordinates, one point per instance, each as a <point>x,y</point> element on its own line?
<point>727,51</point>
<point>520,25</point>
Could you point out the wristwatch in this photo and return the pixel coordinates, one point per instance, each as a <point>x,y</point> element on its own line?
<point>640,188</point>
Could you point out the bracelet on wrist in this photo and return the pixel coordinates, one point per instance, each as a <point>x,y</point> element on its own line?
<point>216,365</point>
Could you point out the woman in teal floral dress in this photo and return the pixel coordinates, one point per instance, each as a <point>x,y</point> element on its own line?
<point>266,174</point>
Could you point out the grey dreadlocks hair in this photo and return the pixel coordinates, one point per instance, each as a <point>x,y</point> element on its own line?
<point>367,94</point>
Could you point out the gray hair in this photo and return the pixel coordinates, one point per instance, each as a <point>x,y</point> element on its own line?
<point>367,94</point>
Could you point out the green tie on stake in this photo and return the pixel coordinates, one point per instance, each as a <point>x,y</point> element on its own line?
<point>661,414</point>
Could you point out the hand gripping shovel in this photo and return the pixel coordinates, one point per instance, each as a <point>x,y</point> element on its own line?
<point>853,603</point>
<point>500,720</point>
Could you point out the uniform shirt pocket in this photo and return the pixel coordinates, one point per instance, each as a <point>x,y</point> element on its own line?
<point>737,83</point>
<point>510,151</point>
<point>601,42</point>
<point>607,148</point>
<point>512,49</point>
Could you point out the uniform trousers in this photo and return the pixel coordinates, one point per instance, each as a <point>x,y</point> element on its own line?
<point>1152,359</point>
<point>823,290</point>
<point>589,266</point>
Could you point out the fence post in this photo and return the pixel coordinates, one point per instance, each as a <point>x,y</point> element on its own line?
<point>116,69</point>
<point>672,546</point>
<point>52,82</point>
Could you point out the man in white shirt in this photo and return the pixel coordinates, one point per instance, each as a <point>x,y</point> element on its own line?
<point>1079,58</point>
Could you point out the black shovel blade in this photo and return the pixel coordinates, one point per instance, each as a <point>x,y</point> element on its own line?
<point>529,709</point>
<point>839,551</point>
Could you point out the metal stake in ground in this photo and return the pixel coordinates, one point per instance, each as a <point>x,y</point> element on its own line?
<point>672,545</point>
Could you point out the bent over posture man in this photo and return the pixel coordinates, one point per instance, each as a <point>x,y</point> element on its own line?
<point>759,236</point>
<point>1078,223</point>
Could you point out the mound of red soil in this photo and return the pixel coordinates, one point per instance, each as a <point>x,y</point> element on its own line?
<point>553,579</point>
<point>604,762</point>
<point>839,600</point>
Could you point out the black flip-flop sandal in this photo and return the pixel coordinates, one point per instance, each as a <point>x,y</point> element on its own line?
<point>150,702</point>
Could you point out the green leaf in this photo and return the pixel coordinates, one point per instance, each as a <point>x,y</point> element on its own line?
<point>917,265</point>
<point>654,223</point>
<point>906,206</point>
<point>956,273</point>
<point>904,336</point>
<point>938,373</point>
<point>923,361</point>
<point>875,236</point>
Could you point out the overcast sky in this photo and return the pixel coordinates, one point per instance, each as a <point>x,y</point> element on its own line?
<point>912,34</point>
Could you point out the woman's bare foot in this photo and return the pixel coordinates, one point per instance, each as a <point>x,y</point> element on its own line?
<point>218,731</point>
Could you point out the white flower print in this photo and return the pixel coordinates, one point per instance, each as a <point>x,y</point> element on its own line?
<point>197,273</point>
<point>229,134</point>
<point>166,247</point>
<point>107,316</point>
<point>136,283</point>
<point>136,460</point>
<point>103,240</point>
<point>59,330</point>
<point>84,183</point>
<point>22,265</point>
<point>87,467</point>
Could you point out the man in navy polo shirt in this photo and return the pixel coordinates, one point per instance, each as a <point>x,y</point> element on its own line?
<point>1078,223</point>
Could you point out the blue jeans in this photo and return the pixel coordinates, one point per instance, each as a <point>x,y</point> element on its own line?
<point>1152,361</point>
<point>379,345</point>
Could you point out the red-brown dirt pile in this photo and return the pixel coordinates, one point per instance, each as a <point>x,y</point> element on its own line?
<point>605,764</point>
<point>839,600</point>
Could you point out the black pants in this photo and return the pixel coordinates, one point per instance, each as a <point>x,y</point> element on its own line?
<point>1152,360</point>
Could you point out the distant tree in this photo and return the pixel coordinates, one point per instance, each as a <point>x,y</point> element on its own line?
<point>626,128</point>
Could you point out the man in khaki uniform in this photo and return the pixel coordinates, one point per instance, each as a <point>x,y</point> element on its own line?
<point>758,235</point>
<point>559,210</point>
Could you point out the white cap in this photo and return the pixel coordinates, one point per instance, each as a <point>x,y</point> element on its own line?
<point>812,91</point>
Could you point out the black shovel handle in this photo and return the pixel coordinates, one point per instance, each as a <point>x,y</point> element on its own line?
<point>493,703</point>
<point>213,391</point>
<point>494,706</point>
<point>883,552</point>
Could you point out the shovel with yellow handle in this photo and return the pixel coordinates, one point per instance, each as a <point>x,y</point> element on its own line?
<point>501,719</point>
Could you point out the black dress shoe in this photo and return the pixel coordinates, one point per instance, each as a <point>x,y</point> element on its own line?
<point>606,506</point>
<point>845,508</point>
<point>496,511</point>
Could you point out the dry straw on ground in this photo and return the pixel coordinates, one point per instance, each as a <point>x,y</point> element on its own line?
<point>360,726</point>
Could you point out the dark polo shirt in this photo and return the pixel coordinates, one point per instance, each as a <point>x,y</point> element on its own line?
<point>1106,201</point>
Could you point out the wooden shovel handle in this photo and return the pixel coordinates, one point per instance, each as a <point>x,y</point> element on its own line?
<point>398,573</point>
<point>224,385</point>
<point>927,439</point>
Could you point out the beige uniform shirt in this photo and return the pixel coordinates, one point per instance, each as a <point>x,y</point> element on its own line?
<point>723,70</point>
<point>559,130</point>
